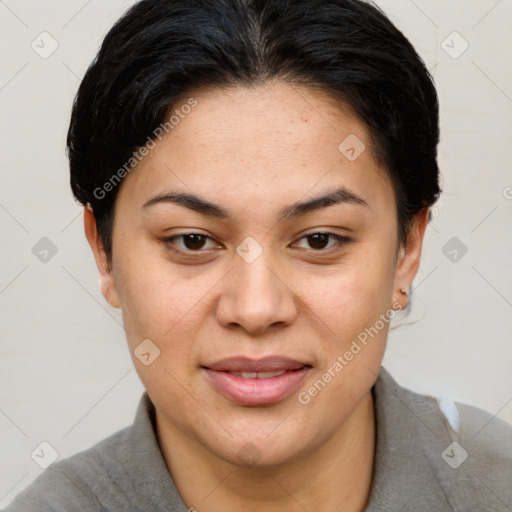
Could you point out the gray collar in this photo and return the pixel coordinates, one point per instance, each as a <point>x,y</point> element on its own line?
<point>409,472</point>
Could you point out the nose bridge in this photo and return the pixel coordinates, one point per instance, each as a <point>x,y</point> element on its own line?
<point>254,296</point>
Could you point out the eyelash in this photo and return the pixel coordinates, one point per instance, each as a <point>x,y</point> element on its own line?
<point>341,240</point>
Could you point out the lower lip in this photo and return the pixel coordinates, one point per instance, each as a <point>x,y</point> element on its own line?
<point>256,391</point>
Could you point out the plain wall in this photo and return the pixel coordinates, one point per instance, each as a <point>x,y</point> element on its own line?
<point>66,374</point>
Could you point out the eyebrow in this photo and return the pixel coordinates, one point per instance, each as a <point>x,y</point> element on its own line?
<point>209,209</point>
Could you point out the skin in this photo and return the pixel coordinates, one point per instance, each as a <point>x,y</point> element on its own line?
<point>255,151</point>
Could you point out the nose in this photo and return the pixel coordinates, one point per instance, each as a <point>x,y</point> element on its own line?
<point>256,296</point>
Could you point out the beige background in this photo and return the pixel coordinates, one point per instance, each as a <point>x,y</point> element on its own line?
<point>66,375</point>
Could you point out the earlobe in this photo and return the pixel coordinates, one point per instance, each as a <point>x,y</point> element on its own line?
<point>409,257</point>
<point>107,283</point>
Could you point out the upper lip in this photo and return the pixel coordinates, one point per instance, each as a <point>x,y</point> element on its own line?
<point>246,364</point>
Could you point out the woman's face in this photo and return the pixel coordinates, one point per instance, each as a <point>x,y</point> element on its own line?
<point>259,319</point>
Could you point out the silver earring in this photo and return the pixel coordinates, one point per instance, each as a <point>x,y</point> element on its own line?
<point>403,292</point>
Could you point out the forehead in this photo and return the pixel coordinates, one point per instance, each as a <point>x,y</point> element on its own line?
<point>267,142</point>
<point>286,120</point>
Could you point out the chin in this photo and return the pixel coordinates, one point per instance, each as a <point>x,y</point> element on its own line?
<point>262,450</point>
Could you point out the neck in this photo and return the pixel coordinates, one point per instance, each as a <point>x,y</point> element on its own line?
<point>337,476</point>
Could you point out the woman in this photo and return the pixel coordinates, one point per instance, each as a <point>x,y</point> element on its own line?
<point>257,178</point>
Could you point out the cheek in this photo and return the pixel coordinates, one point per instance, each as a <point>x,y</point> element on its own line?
<point>159,305</point>
<point>156,300</point>
<point>351,311</point>
<point>351,297</point>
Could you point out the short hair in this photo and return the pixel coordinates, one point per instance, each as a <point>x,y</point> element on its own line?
<point>161,50</point>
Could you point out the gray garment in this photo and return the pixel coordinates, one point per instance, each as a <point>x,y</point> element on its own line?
<point>126,471</point>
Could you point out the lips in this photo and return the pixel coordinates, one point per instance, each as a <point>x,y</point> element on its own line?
<point>256,382</point>
<point>245,364</point>
<point>258,375</point>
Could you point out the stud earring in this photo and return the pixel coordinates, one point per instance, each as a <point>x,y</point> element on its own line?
<point>403,292</point>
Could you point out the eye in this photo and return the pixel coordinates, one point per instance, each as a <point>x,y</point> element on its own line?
<point>195,242</point>
<point>192,242</point>
<point>320,241</point>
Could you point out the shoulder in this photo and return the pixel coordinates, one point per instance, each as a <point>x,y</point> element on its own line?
<point>123,473</point>
<point>476,467</point>
<point>485,434</point>
<point>468,450</point>
<point>488,440</point>
<point>80,482</point>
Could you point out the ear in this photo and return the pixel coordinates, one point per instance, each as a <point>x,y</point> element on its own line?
<point>409,257</point>
<point>107,284</point>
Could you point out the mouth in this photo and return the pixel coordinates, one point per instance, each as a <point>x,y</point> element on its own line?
<point>256,382</point>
